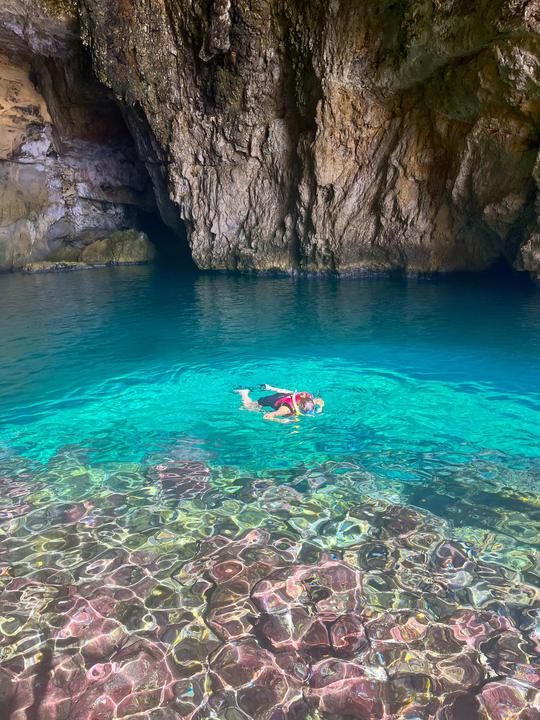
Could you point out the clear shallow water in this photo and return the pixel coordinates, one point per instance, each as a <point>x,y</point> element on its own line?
<point>126,361</point>
<point>164,554</point>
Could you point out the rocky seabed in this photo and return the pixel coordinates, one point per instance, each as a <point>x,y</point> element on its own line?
<point>172,590</point>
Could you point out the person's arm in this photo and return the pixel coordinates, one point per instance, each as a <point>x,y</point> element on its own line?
<point>320,403</point>
<point>277,390</point>
<point>281,415</point>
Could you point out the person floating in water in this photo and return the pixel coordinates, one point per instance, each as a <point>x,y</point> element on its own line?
<point>286,405</point>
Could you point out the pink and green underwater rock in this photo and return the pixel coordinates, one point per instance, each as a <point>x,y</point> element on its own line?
<point>172,591</point>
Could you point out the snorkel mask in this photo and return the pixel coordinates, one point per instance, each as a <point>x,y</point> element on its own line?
<point>308,407</point>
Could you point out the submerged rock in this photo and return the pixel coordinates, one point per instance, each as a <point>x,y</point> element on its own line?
<point>156,598</point>
<point>47,266</point>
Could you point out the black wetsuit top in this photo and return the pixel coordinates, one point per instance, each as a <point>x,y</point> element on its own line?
<point>272,400</point>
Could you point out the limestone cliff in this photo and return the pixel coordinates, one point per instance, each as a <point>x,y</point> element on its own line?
<point>332,134</point>
<point>69,172</point>
<point>336,134</point>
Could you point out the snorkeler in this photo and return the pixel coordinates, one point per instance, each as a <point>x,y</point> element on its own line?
<point>286,405</point>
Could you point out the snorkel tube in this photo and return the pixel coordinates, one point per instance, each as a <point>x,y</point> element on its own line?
<point>295,404</point>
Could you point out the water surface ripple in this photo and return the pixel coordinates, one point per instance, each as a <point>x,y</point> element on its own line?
<point>164,554</point>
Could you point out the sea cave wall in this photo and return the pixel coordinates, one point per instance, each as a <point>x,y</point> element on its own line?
<point>70,176</point>
<point>337,135</point>
<point>333,135</point>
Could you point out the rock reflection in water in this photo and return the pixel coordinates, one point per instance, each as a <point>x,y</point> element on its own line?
<point>172,590</point>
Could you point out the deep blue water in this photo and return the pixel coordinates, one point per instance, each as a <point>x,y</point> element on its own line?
<point>416,376</point>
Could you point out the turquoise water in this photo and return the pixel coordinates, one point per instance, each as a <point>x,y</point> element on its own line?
<point>128,361</point>
<point>166,554</point>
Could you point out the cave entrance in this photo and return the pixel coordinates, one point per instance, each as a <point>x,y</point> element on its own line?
<point>172,247</point>
<point>503,270</point>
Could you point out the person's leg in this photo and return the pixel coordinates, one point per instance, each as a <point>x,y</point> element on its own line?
<point>247,402</point>
<point>281,391</point>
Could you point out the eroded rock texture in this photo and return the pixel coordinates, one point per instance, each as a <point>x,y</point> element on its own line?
<point>335,134</point>
<point>69,173</point>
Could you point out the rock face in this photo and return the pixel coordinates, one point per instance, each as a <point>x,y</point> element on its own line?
<point>118,248</point>
<point>335,135</point>
<point>69,172</point>
<point>313,136</point>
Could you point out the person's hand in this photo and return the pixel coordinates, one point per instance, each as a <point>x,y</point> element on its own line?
<point>318,406</point>
<point>264,386</point>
